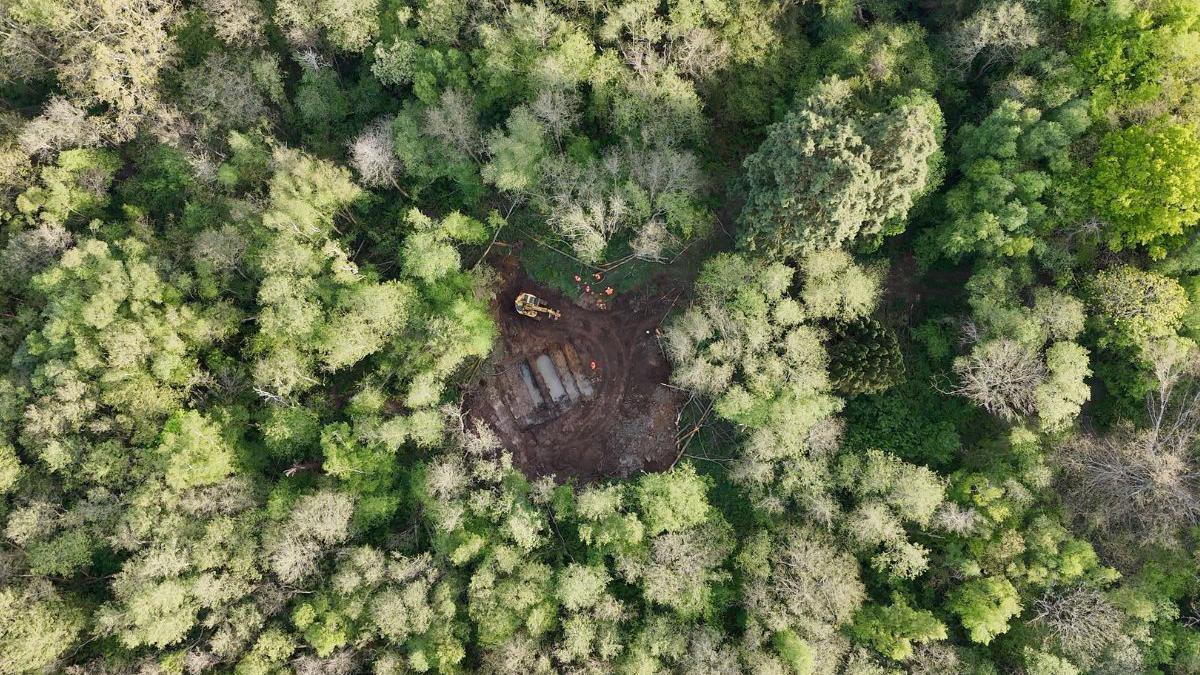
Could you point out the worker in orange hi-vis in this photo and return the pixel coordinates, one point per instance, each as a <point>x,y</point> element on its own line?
<point>593,363</point>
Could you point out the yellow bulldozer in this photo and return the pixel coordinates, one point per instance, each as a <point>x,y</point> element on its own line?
<point>532,306</point>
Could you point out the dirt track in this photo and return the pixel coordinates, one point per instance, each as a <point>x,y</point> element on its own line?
<point>628,423</point>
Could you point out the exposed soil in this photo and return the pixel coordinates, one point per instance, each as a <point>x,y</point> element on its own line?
<point>581,396</point>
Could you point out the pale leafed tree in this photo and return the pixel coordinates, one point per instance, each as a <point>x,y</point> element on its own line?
<point>998,32</point>
<point>809,579</point>
<point>700,53</point>
<point>710,653</point>
<point>373,156</point>
<point>324,517</point>
<point>237,23</point>
<point>30,251</point>
<point>683,566</point>
<point>647,191</point>
<point>316,523</point>
<point>933,658</point>
<point>662,169</point>
<point>590,224</point>
<point>341,662</point>
<point>225,93</point>
<point>1002,377</point>
<point>952,518</point>
<point>347,25</point>
<point>1142,485</point>
<point>557,110</point>
<point>652,242</point>
<point>61,125</point>
<point>29,49</point>
<point>116,54</point>
<point>455,122</point>
<point>223,249</point>
<point>1082,620</point>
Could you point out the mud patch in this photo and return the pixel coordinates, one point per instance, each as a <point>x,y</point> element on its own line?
<point>582,396</point>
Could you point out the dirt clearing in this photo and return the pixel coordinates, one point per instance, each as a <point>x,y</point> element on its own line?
<point>582,396</point>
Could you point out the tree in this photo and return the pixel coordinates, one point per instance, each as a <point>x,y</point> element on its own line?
<point>1081,620</point>
<point>1060,397</point>
<point>803,578</point>
<point>113,54</point>
<point>306,193</point>
<point>62,125</point>
<point>745,344</point>
<point>1145,182</point>
<point>1016,185</point>
<point>517,154</point>
<point>998,32</point>
<point>194,451</point>
<point>865,358</point>
<point>73,189</point>
<point>10,469</point>
<point>1140,484</point>
<point>1023,362</point>
<point>362,319</point>
<point>373,157</point>
<point>674,501</point>
<point>428,253</point>
<point>580,586</point>
<point>425,157</point>
<point>37,626</point>
<point>31,251</point>
<point>316,523</point>
<point>892,629</point>
<point>1136,307</point>
<point>224,93</point>
<point>348,26</point>
<point>1131,60</point>
<point>114,343</point>
<point>1003,377</point>
<point>238,23</point>
<point>984,606</point>
<point>889,494</point>
<point>1042,663</point>
<point>795,652</point>
<point>837,289</point>
<point>684,569</point>
<point>829,174</point>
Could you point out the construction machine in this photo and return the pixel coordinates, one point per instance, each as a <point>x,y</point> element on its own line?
<point>534,307</point>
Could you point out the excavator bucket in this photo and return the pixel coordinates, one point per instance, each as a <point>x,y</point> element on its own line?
<point>530,305</point>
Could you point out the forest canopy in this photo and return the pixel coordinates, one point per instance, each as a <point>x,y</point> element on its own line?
<point>927,283</point>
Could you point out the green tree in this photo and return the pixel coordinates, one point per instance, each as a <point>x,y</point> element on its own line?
<point>673,501</point>
<point>865,358</point>
<point>892,629</point>
<point>1017,175</point>
<point>74,188</point>
<point>114,343</point>
<point>194,451</point>
<point>37,626</point>
<point>1145,183</point>
<point>1136,307</point>
<point>984,606</point>
<point>829,174</point>
<point>1132,58</point>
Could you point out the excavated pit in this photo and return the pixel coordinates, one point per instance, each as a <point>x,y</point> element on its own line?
<point>582,396</point>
